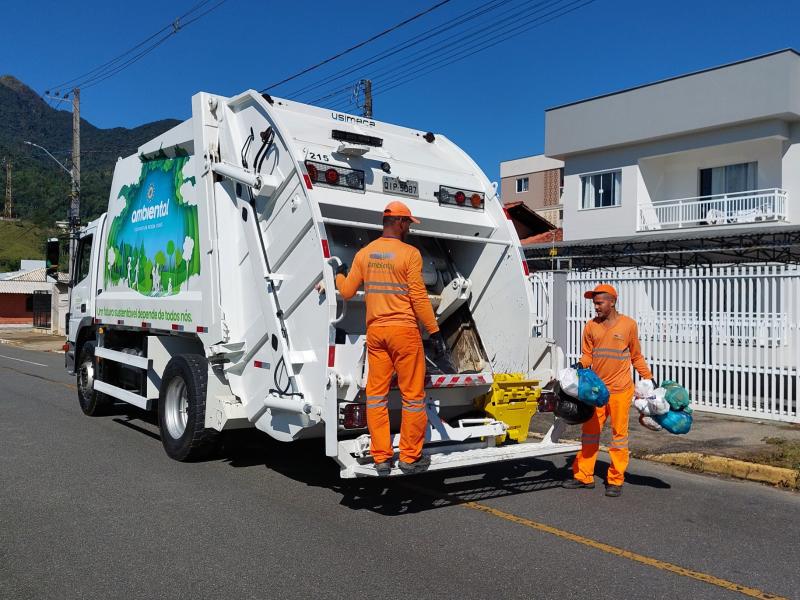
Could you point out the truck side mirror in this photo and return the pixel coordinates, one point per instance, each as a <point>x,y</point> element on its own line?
<point>52,257</point>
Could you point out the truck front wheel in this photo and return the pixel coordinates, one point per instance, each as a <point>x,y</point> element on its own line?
<point>182,409</point>
<point>92,403</point>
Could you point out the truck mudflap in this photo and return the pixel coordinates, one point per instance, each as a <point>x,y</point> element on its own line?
<point>472,442</point>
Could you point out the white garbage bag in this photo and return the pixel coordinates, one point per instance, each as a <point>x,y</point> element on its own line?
<point>658,404</point>
<point>642,405</point>
<point>568,380</point>
<point>649,423</point>
<point>644,388</point>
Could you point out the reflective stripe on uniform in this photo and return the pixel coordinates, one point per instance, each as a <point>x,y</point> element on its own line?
<point>376,401</point>
<point>388,284</point>
<point>414,405</point>
<point>620,443</point>
<point>393,292</point>
<point>590,438</point>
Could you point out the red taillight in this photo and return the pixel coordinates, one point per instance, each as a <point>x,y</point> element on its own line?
<point>326,251</point>
<point>354,416</point>
<point>461,197</point>
<point>525,267</point>
<point>332,176</point>
<point>312,171</point>
<point>331,356</point>
<point>476,200</point>
<point>307,179</point>
<point>65,347</point>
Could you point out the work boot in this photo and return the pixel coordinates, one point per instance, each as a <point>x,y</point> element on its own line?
<point>418,466</point>
<point>384,468</point>
<point>574,484</point>
<point>613,491</point>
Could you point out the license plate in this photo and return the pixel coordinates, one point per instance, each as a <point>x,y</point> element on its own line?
<point>395,185</point>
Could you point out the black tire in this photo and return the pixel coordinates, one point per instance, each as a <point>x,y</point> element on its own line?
<point>93,404</point>
<point>182,409</point>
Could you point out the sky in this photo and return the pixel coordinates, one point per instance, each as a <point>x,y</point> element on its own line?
<point>491,103</point>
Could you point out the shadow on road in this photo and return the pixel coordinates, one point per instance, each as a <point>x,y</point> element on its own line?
<point>305,462</point>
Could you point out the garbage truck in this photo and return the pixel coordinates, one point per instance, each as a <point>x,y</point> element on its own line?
<point>196,294</point>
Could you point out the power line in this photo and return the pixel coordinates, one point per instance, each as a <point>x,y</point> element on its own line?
<point>114,66</point>
<point>493,33</point>
<point>357,46</point>
<point>519,14</point>
<point>515,15</point>
<point>419,38</point>
<point>513,32</point>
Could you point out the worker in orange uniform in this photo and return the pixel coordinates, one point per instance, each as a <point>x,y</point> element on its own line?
<point>396,300</point>
<point>610,346</point>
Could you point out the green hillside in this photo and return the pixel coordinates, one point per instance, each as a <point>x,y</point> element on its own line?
<point>40,189</point>
<point>21,239</point>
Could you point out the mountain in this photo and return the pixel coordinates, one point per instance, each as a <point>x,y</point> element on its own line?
<point>40,189</point>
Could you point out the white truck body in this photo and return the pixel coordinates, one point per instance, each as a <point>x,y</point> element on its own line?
<point>217,233</point>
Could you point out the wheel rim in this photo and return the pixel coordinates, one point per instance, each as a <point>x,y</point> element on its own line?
<point>86,378</point>
<point>176,407</point>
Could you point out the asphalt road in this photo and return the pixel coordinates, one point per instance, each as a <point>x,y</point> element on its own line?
<point>93,508</point>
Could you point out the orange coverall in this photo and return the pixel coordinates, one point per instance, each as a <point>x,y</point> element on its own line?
<point>610,352</point>
<point>396,299</point>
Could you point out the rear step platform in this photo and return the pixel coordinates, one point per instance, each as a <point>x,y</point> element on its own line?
<point>471,443</point>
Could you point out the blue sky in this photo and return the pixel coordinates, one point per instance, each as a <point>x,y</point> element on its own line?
<point>492,103</point>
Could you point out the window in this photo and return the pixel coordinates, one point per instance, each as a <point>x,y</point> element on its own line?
<point>729,179</point>
<point>522,185</point>
<point>84,259</point>
<point>601,189</point>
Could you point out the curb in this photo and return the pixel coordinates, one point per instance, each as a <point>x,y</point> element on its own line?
<point>718,465</point>
<point>721,465</point>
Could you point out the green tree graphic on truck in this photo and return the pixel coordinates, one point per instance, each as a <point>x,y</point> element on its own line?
<point>152,243</point>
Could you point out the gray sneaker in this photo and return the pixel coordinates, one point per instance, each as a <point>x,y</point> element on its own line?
<point>574,484</point>
<point>384,468</point>
<point>418,466</point>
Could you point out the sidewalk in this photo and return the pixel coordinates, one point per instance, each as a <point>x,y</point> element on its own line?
<point>31,338</point>
<point>726,445</point>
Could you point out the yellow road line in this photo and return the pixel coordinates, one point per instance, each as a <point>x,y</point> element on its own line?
<point>646,560</point>
<point>579,539</point>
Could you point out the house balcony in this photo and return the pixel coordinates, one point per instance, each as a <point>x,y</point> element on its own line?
<point>752,206</point>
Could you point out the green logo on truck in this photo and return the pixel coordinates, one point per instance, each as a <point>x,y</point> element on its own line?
<point>152,243</point>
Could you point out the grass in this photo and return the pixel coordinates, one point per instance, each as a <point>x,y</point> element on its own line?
<point>21,239</point>
<point>779,452</point>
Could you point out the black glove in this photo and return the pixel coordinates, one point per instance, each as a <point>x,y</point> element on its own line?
<point>439,347</point>
<point>655,383</point>
<point>577,366</point>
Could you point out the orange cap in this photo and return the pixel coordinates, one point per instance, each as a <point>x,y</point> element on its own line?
<point>398,209</point>
<point>603,288</point>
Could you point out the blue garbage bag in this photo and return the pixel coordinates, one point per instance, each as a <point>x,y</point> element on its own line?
<point>591,388</point>
<point>675,421</point>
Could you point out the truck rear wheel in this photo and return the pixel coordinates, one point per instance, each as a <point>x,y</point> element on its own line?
<point>93,404</point>
<point>182,409</point>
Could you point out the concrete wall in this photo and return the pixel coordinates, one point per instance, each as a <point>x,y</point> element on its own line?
<point>669,169</point>
<point>12,309</point>
<point>534,197</point>
<point>758,89</point>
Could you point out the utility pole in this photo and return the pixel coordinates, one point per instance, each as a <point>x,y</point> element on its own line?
<point>8,208</point>
<point>367,83</point>
<point>75,200</point>
<point>364,86</point>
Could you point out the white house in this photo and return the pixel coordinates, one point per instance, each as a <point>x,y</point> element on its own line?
<point>713,151</point>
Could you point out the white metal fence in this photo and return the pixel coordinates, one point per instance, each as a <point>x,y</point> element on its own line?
<point>720,209</point>
<point>730,335</point>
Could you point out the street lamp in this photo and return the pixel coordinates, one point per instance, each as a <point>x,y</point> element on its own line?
<point>58,162</point>
<point>73,216</point>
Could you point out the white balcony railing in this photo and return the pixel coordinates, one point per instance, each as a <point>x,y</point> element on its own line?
<point>722,209</point>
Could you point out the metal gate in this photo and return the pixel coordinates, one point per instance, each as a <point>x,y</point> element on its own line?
<point>42,309</point>
<point>730,335</point>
